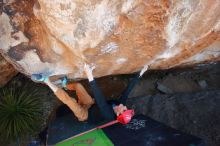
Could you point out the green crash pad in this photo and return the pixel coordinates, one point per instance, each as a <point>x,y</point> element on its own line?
<point>93,138</point>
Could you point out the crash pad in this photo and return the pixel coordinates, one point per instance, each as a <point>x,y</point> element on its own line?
<point>141,131</point>
<point>144,131</point>
<point>94,138</point>
<point>66,125</point>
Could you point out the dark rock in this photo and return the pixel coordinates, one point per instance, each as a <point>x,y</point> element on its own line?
<point>175,84</point>
<point>195,113</point>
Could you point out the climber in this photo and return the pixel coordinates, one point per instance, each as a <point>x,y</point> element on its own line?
<point>108,110</point>
<point>80,108</point>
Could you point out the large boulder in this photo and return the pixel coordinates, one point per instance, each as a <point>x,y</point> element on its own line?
<point>7,71</point>
<point>116,36</point>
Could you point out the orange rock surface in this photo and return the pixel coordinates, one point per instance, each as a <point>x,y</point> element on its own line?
<point>57,37</point>
<point>7,71</point>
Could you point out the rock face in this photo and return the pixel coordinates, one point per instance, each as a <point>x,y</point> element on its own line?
<point>56,37</point>
<point>194,113</point>
<point>7,71</point>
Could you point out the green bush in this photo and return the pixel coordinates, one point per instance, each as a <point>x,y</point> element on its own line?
<point>20,112</point>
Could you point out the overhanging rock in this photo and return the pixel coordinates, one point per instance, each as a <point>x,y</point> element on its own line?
<point>116,36</point>
<point>7,71</point>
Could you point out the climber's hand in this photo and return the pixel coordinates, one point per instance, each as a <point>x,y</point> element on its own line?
<point>39,78</point>
<point>143,70</point>
<point>88,70</point>
<point>119,109</point>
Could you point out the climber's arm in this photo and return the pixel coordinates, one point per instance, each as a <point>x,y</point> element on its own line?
<point>131,85</point>
<point>105,109</point>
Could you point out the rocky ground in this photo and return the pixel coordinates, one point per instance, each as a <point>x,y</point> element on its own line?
<point>187,99</point>
<point>194,113</point>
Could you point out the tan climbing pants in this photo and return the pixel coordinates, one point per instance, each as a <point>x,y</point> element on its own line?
<point>83,97</point>
<point>80,108</point>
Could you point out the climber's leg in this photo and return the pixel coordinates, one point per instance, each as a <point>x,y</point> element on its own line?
<point>123,98</point>
<point>83,97</point>
<point>80,112</point>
